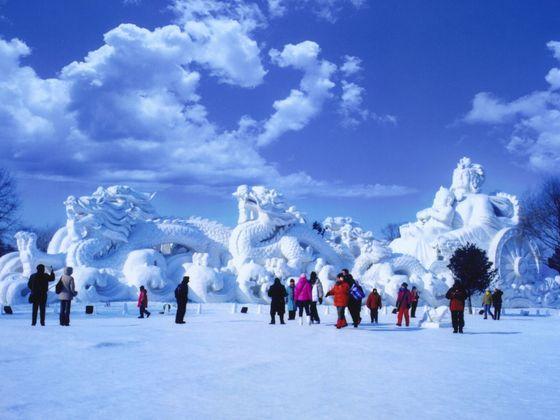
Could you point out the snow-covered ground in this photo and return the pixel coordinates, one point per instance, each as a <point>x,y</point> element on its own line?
<point>227,366</point>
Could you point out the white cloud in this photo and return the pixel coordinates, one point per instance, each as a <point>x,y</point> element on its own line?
<point>296,111</point>
<point>221,32</point>
<point>324,9</point>
<point>351,66</point>
<point>131,111</point>
<point>535,121</point>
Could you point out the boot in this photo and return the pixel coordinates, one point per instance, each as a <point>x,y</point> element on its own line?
<point>282,319</point>
<point>272,321</point>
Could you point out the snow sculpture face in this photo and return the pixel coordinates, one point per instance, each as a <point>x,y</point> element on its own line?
<point>443,198</point>
<point>468,178</point>
<point>260,202</point>
<point>108,213</point>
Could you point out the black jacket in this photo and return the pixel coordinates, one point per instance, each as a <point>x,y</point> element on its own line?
<point>497,297</point>
<point>39,285</point>
<point>277,294</point>
<point>182,292</point>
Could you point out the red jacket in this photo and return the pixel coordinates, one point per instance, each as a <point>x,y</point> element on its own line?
<point>457,297</point>
<point>143,298</point>
<point>340,293</point>
<point>404,298</point>
<point>373,301</point>
<point>415,295</point>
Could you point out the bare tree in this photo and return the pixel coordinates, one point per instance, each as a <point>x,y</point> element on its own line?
<point>391,231</point>
<point>540,218</point>
<point>9,204</point>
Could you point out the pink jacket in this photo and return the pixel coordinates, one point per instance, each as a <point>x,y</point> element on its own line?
<point>303,290</point>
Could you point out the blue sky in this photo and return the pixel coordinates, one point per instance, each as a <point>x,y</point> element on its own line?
<point>349,107</point>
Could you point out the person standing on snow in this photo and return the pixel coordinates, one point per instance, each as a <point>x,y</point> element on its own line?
<point>316,296</point>
<point>65,295</point>
<point>487,304</point>
<point>39,285</point>
<point>277,294</point>
<point>340,295</point>
<point>374,304</point>
<point>302,295</point>
<point>414,304</point>
<point>143,302</point>
<point>497,301</point>
<point>355,296</point>
<point>182,296</point>
<point>290,300</point>
<point>404,300</point>
<point>457,296</point>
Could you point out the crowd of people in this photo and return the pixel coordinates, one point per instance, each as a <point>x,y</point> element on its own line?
<point>297,298</point>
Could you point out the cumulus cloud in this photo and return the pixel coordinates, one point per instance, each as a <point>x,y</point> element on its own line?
<point>131,111</point>
<point>295,111</point>
<point>534,118</point>
<point>324,9</point>
<point>351,65</point>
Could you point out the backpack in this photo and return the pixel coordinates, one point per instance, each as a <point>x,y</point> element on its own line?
<point>357,292</point>
<point>59,286</point>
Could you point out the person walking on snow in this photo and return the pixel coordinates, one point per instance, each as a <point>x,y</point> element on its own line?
<point>143,302</point>
<point>291,300</point>
<point>182,296</point>
<point>497,301</point>
<point>277,294</point>
<point>355,296</point>
<point>66,293</point>
<point>414,304</point>
<point>404,300</point>
<point>487,304</point>
<point>340,297</point>
<point>39,285</point>
<point>374,304</point>
<point>316,296</point>
<point>457,296</point>
<point>302,295</point>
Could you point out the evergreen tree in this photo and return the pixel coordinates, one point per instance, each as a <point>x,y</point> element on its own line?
<point>470,265</point>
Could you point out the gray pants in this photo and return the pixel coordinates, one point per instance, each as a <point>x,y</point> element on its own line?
<point>65,312</point>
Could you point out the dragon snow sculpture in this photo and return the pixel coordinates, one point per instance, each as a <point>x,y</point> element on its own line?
<point>115,241</point>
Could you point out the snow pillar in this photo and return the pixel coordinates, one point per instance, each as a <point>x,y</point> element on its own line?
<point>199,309</point>
<point>234,308</point>
<point>125,309</point>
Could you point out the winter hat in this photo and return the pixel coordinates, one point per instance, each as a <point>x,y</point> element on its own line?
<point>68,271</point>
<point>404,284</point>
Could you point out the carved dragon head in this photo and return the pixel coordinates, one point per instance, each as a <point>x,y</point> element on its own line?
<point>267,204</point>
<point>109,212</point>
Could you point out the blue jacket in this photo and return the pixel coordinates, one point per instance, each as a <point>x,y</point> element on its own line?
<point>290,299</point>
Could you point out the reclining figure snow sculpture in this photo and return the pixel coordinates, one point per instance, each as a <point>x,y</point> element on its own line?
<point>461,214</point>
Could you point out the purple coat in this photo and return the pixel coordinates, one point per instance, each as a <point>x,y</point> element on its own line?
<point>303,290</point>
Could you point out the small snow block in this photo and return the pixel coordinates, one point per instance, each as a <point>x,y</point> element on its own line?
<point>8,310</point>
<point>89,309</point>
<point>244,309</point>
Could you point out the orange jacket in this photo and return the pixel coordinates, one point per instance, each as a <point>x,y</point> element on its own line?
<point>340,293</point>
<point>374,301</point>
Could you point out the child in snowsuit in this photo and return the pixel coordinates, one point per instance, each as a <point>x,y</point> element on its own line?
<point>143,302</point>
<point>374,304</point>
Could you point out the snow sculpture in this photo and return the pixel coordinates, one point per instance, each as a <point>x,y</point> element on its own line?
<point>439,317</point>
<point>115,241</point>
<point>461,214</point>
